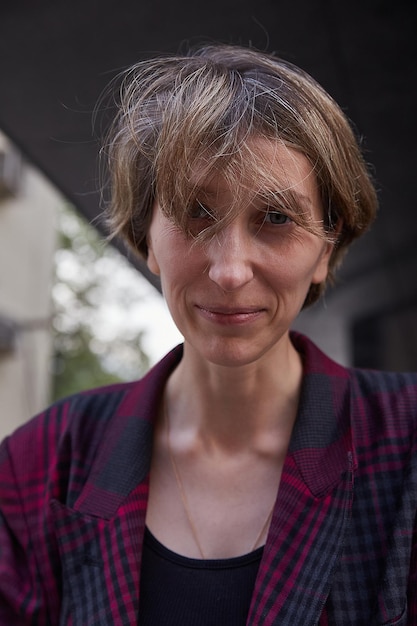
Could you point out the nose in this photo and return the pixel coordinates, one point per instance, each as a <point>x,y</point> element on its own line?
<point>230,262</point>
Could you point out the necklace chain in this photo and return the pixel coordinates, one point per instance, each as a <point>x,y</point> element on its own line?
<point>185,501</point>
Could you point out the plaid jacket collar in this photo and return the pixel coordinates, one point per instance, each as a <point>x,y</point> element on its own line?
<point>103,533</point>
<point>314,501</point>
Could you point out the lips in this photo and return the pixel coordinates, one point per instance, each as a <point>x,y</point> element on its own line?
<point>230,315</point>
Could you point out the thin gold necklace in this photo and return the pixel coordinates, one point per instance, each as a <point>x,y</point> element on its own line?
<point>185,501</point>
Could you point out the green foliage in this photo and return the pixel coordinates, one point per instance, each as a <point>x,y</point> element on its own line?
<point>96,339</point>
<point>76,367</point>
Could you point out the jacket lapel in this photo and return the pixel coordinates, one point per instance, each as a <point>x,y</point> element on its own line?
<point>314,501</point>
<point>100,538</point>
<point>100,563</point>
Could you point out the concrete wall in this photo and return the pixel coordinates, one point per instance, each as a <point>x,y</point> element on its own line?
<point>27,244</point>
<point>369,320</point>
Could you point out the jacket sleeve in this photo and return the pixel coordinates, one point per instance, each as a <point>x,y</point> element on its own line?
<point>412,586</point>
<point>21,597</point>
<point>412,580</point>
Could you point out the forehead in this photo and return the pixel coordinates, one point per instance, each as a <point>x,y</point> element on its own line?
<point>262,167</point>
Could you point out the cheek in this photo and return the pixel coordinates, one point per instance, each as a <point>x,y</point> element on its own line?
<point>297,269</point>
<point>169,256</point>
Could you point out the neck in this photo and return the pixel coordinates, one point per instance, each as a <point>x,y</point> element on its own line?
<point>252,406</point>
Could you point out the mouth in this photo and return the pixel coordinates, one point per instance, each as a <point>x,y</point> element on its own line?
<point>230,315</point>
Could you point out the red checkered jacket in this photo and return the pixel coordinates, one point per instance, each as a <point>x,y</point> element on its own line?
<point>342,547</point>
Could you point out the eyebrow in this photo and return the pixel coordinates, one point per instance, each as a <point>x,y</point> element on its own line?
<point>300,198</point>
<point>207,191</point>
<point>294,201</point>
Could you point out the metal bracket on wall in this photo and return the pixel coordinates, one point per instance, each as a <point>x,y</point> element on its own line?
<point>8,334</point>
<point>10,171</point>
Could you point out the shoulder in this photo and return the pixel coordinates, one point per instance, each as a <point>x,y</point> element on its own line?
<point>71,431</point>
<point>57,448</point>
<point>384,407</point>
<point>378,401</point>
<point>82,416</point>
<point>379,384</point>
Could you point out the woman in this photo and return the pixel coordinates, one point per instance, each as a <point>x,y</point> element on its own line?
<point>247,479</point>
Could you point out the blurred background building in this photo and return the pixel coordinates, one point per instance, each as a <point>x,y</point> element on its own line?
<point>64,326</point>
<point>28,206</point>
<point>55,60</point>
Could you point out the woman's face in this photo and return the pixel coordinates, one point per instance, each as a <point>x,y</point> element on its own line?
<point>235,296</point>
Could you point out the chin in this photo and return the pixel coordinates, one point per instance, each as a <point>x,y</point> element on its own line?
<point>234,353</point>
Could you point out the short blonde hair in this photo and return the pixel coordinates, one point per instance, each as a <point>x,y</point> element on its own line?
<point>204,108</point>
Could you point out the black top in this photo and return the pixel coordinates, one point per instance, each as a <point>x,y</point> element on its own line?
<point>176,590</point>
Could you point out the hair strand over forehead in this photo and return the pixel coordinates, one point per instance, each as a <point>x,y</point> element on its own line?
<point>178,115</point>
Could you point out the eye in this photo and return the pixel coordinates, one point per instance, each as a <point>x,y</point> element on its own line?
<point>276,218</point>
<point>198,211</point>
